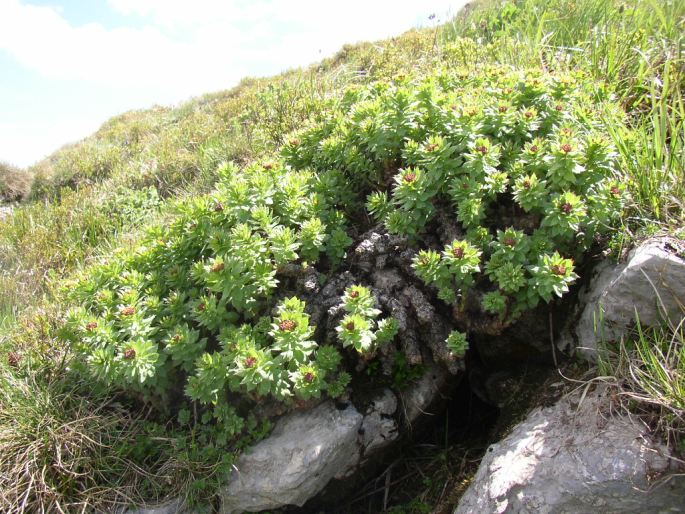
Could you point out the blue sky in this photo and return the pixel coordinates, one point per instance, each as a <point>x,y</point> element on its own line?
<point>66,66</point>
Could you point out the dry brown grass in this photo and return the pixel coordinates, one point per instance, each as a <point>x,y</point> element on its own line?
<point>58,448</point>
<point>15,183</point>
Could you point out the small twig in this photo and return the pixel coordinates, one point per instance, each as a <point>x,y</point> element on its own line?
<point>388,476</point>
<point>551,340</point>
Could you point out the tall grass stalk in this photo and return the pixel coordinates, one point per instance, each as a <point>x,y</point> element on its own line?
<point>57,448</point>
<point>649,371</point>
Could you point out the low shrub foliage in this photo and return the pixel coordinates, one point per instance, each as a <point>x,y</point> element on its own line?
<point>200,320</point>
<point>194,299</point>
<point>521,160</point>
<point>202,301</point>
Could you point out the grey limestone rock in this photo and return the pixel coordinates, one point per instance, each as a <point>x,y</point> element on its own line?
<point>5,211</point>
<point>576,457</point>
<point>379,428</point>
<point>304,452</point>
<point>650,283</point>
<point>309,448</point>
<point>418,398</point>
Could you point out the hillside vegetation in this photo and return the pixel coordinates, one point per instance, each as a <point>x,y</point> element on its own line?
<point>153,299</point>
<point>15,183</point>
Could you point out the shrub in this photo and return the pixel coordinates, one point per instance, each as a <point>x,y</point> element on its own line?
<point>520,157</point>
<point>14,183</point>
<point>190,306</point>
<point>360,327</point>
<point>195,305</point>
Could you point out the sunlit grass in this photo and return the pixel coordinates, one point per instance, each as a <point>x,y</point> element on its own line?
<point>635,48</point>
<point>648,369</point>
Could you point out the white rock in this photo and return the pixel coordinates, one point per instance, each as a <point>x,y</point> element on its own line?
<point>5,211</point>
<point>379,427</point>
<point>418,397</point>
<point>573,458</point>
<point>651,283</point>
<point>303,453</point>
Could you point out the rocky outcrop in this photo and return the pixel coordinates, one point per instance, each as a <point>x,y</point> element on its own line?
<point>576,457</point>
<point>306,450</point>
<point>649,285</point>
<point>421,394</point>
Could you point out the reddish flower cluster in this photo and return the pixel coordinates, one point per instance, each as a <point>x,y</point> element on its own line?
<point>354,294</point>
<point>559,269</point>
<point>309,377</point>
<point>294,142</point>
<point>91,326</point>
<point>432,147</point>
<point>615,191</point>
<point>269,166</point>
<point>482,149</point>
<point>528,114</point>
<point>219,207</point>
<point>128,311</point>
<point>567,208</point>
<point>349,326</point>
<point>250,362</point>
<point>129,354</point>
<point>287,325</point>
<point>219,266</point>
<point>409,177</point>
<point>566,148</point>
<point>510,241</point>
<point>201,307</point>
<point>13,359</point>
<point>503,108</point>
<point>458,252</point>
<point>527,184</point>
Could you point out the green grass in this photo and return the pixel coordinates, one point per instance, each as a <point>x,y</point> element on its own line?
<point>67,441</point>
<point>647,370</point>
<point>637,48</point>
<point>57,447</point>
<point>42,241</point>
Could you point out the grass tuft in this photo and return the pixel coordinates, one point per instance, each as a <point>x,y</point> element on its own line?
<point>56,447</point>
<point>15,183</point>
<point>649,371</point>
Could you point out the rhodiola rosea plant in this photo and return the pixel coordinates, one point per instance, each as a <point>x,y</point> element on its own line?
<point>195,302</point>
<point>205,306</point>
<point>518,160</point>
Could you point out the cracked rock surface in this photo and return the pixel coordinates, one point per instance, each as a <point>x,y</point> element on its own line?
<point>575,457</point>
<point>306,450</point>
<point>651,282</point>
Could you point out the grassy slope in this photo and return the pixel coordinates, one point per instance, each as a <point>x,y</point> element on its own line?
<point>636,46</point>
<point>176,152</point>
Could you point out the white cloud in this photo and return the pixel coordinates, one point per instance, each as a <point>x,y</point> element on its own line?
<point>174,49</point>
<point>182,47</point>
<point>42,40</point>
<point>25,143</point>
